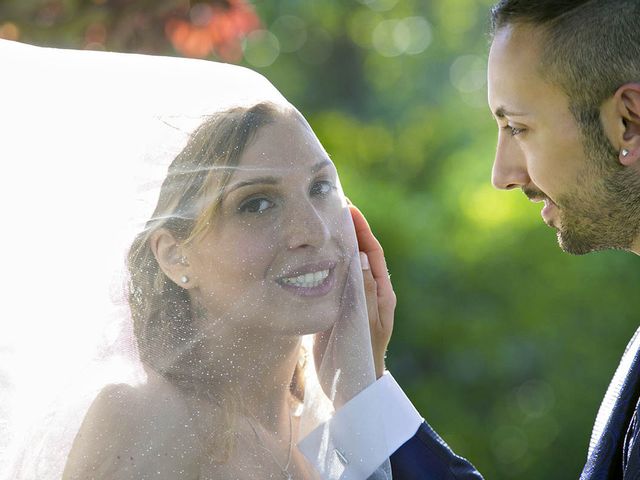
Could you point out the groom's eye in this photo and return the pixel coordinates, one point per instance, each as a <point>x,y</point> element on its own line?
<point>513,131</point>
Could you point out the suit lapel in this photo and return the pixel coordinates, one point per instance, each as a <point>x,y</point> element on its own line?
<point>605,448</point>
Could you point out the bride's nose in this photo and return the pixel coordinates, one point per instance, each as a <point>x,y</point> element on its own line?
<point>305,227</point>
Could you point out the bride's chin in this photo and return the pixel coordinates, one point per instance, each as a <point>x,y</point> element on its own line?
<point>313,325</point>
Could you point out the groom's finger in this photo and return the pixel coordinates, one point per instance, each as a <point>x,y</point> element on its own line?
<point>371,294</point>
<point>379,335</point>
<point>386,297</point>
<point>369,244</point>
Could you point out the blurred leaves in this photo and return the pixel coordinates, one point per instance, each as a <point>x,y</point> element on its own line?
<point>504,343</point>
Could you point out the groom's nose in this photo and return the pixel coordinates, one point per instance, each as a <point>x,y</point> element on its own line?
<point>510,166</point>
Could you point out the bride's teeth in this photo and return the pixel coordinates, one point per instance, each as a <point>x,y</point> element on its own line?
<point>307,280</point>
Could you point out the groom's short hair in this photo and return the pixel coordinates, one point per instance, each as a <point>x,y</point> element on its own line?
<point>589,47</point>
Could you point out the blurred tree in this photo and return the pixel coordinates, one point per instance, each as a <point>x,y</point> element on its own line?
<point>195,29</point>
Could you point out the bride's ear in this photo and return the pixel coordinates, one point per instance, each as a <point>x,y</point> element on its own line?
<point>170,258</point>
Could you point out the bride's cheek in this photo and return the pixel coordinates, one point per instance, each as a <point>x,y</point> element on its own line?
<point>255,250</point>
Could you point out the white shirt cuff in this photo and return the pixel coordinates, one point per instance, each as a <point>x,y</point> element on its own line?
<point>363,433</point>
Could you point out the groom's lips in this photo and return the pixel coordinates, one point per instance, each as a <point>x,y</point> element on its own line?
<point>548,211</point>
<point>549,208</point>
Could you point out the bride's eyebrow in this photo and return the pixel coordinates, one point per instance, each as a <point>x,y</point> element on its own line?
<point>320,165</point>
<point>253,181</point>
<point>270,180</point>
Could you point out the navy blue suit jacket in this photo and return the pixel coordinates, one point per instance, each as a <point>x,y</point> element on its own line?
<point>425,456</point>
<point>614,450</point>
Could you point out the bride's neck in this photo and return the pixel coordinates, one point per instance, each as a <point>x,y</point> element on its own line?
<point>256,368</point>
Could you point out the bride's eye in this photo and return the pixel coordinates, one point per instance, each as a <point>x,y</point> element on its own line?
<point>322,188</point>
<point>256,205</point>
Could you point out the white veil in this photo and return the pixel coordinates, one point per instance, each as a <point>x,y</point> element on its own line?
<point>86,140</point>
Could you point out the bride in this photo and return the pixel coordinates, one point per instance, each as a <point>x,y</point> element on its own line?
<point>248,250</point>
<point>242,325</point>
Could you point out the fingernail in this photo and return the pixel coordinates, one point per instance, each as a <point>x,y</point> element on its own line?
<point>364,261</point>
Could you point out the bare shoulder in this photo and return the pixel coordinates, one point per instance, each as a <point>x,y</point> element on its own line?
<point>130,432</point>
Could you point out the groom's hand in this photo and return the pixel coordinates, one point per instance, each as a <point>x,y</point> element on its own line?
<point>381,299</point>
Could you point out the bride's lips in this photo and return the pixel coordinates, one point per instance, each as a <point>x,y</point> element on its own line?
<point>311,280</point>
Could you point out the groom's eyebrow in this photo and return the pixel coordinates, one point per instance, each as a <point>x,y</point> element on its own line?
<point>502,112</point>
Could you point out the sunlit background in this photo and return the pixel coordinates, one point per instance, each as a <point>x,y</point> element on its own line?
<point>504,343</point>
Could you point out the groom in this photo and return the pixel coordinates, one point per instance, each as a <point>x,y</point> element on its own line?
<point>564,88</point>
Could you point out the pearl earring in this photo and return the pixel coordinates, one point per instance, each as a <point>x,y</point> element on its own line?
<point>184,279</point>
<point>624,152</point>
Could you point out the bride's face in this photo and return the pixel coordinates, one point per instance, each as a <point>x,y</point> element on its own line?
<point>278,250</point>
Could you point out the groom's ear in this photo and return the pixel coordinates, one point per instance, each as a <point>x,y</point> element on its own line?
<point>620,116</point>
<point>169,255</point>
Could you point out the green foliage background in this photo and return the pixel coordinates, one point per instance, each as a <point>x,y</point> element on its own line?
<point>504,343</point>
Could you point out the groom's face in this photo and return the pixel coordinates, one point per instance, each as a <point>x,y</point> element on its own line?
<point>542,150</point>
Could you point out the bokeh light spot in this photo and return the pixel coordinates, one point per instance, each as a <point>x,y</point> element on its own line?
<point>95,33</point>
<point>361,26</point>
<point>411,35</point>
<point>419,34</point>
<point>468,73</point>
<point>261,48</point>
<point>291,32</point>
<point>385,38</point>
<point>401,36</point>
<point>509,444</point>
<point>535,398</point>
<point>379,5</point>
<point>9,31</point>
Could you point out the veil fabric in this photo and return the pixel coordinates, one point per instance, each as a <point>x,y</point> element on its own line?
<point>183,295</point>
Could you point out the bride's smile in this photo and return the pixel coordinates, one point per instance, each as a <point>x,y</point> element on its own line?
<point>311,280</point>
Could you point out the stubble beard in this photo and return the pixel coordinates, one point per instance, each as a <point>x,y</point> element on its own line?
<point>603,211</point>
